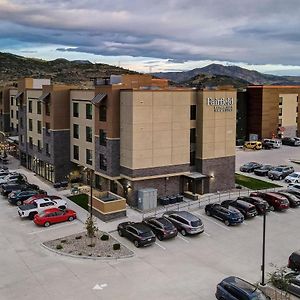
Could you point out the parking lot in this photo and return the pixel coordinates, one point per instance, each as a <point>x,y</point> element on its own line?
<point>182,268</point>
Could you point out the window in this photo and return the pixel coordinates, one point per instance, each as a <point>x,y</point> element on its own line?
<point>76,152</point>
<point>102,113</point>
<point>89,111</point>
<point>39,107</point>
<point>39,146</point>
<point>17,114</point>
<point>21,138</point>
<point>280,100</point>
<point>30,106</point>
<point>11,113</point>
<point>89,160</point>
<point>39,126</point>
<point>11,100</point>
<point>17,128</point>
<point>47,125</point>
<point>193,112</point>
<point>280,111</point>
<point>47,108</point>
<point>30,142</point>
<point>102,137</point>
<point>75,131</point>
<point>192,158</point>
<point>89,134</point>
<point>103,163</point>
<point>47,149</point>
<point>30,124</point>
<point>21,123</point>
<point>193,135</point>
<point>75,110</point>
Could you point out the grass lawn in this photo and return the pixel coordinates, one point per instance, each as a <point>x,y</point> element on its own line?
<point>253,183</point>
<point>81,200</point>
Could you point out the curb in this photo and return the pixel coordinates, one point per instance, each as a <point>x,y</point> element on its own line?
<point>87,257</point>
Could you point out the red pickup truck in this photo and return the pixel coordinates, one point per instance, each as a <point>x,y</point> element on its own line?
<point>279,202</point>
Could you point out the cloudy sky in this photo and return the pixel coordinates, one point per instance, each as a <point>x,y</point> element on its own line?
<point>157,35</point>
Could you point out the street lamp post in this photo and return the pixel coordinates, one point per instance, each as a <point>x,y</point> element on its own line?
<point>263,251</point>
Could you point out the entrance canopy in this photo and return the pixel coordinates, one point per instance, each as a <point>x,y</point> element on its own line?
<point>195,175</point>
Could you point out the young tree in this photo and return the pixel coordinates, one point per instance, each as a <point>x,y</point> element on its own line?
<point>91,228</point>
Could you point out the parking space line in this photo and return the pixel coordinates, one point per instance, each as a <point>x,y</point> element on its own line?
<point>54,227</point>
<point>183,239</point>
<point>213,221</point>
<point>162,247</point>
<point>245,223</point>
<point>207,234</point>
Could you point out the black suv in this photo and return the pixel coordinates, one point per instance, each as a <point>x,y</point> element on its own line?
<point>11,187</point>
<point>260,204</point>
<point>248,210</point>
<point>162,227</point>
<point>293,199</point>
<point>294,261</point>
<point>138,233</point>
<point>290,141</point>
<point>263,170</point>
<point>230,215</point>
<point>250,167</point>
<point>280,172</point>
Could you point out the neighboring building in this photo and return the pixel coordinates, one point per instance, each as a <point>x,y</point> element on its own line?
<point>8,114</point>
<point>241,117</point>
<point>136,132</point>
<point>44,128</point>
<point>273,111</point>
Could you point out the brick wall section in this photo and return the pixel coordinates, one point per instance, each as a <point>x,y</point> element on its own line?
<point>223,169</point>
<point>155,171</point>
<point>112,153</point>
<point>164,186</point>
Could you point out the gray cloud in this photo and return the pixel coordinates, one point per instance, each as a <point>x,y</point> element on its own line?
<point>255,32</point>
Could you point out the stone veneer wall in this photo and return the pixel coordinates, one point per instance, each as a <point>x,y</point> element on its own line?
<point>223,169</point>
<point>112,154</point>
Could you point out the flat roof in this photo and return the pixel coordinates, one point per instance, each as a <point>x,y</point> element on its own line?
<point>274,86</point>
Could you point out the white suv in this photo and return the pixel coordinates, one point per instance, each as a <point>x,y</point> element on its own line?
<point>293,178</point>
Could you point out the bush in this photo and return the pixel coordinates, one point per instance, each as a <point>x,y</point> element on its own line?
<point>104,237</point>
<point>63,241</point>
<point>78,237</point>
<point>91,245</point>
<point>59,247</point>
<point>80,253</point>
<point>116,246</point>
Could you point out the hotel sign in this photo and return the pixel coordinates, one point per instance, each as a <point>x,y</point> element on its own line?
<point>221,104</point>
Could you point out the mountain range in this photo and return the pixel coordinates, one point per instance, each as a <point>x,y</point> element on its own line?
<point>13,67</point>
<point>234,72</point>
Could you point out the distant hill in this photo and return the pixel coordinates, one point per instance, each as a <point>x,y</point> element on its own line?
<point>13,67</point>
<point>250,76</point>
<point>203,80</point>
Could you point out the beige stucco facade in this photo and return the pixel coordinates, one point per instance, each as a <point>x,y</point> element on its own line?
<point>154,128</point>
<point>215,129</point>
<point>288,113</point>
<point>82,97</point>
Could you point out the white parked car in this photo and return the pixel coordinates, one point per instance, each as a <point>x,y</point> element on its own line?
<point>39,205</point>
<point>275,143</point>
<point>10,178</point>
<point>294,187</point>
<point>293,178</point>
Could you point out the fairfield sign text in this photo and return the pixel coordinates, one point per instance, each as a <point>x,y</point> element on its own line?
<point>221,104</point>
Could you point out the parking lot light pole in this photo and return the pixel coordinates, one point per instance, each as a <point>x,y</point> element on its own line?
<point>263,251</point>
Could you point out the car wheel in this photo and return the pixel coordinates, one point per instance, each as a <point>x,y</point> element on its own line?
<point>160,237</point>
<point>120,232</point>
<point>71,219</point>
<point>183,232</point>
<point>136,243</point>
<point>47,224</point>
<point>19,202</point>
<point>226,223</point>
<point>208,213</point>
<point>31,215</point>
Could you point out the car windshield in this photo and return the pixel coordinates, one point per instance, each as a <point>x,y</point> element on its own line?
<point>166,223</point>
<point>266,167</point>
<point>294,175</point>
<point>145,234</point>
<point>196,223</point>
<point>42,214</point>
<point>278,169</point>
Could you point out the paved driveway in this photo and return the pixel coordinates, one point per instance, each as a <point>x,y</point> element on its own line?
<point>183,268</point>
